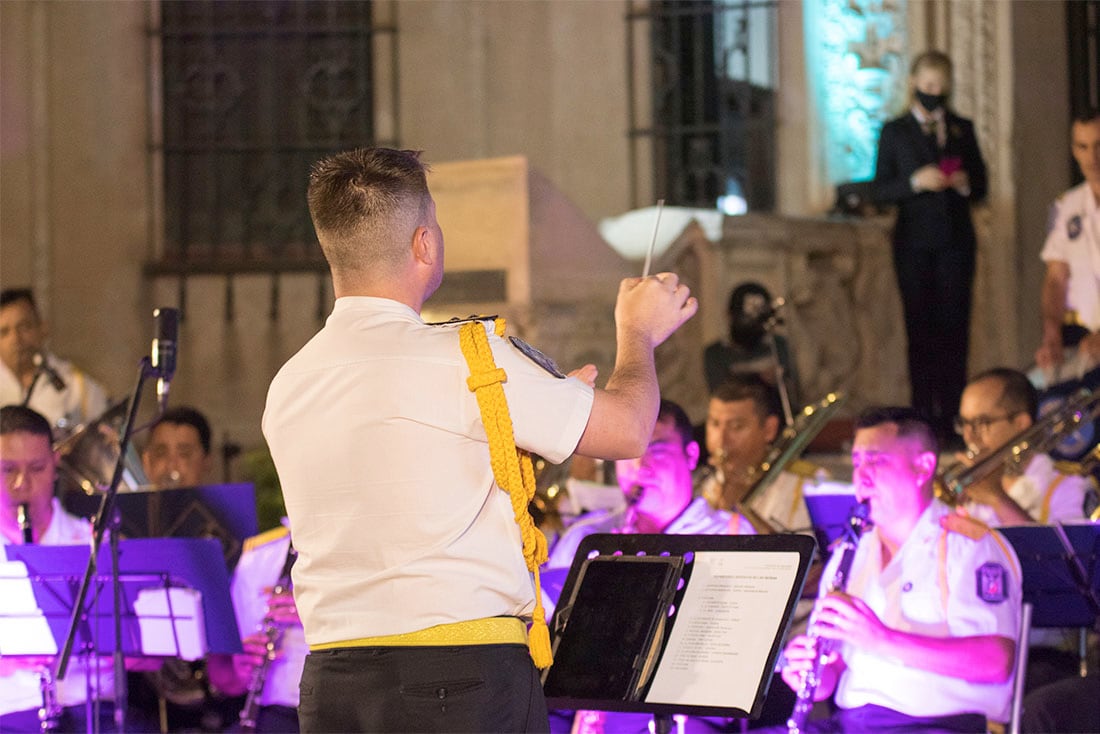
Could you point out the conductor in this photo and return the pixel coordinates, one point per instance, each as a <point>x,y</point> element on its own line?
<point>411,580</point>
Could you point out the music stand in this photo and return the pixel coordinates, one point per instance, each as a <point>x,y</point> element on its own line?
<point>714,639</point>
<point>225,512</point>
<point>1061,573</point>
<point>830,505</point>
<point>175,599</point>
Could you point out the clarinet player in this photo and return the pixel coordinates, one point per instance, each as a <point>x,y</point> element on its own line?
<point>266,615</point>
<point>926,628</point>
<point>29,700</point>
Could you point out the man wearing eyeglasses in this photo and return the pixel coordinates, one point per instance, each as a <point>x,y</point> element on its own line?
<point>996,406</point>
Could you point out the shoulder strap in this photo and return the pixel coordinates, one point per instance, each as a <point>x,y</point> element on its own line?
<point>512,467</point>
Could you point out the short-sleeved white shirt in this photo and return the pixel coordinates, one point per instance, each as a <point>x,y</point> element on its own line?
<point>1029,491</point>
<point>384,466</point>
<point>1074,239</point>
<point>82,400</point>
<point>20,691</point>
<point>908,595</point>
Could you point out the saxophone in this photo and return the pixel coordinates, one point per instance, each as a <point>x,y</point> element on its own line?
<point>858,522</point>
<point>273,635</point>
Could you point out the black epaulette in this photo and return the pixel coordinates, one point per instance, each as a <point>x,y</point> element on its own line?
<point>458,322</point>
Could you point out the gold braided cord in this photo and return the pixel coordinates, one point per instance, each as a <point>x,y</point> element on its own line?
<point>512,467</point>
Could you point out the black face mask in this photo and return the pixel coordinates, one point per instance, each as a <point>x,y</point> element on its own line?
<point>746,332</point>
<point>930,102</point>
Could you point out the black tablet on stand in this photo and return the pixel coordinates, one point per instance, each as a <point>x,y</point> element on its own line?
<point>674,624</point>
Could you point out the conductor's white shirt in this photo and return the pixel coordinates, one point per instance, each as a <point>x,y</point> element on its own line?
<point>384,466</point>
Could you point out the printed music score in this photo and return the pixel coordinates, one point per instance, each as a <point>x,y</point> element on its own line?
<point>725,628</point>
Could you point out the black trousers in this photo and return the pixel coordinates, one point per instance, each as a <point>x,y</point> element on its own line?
<point>470,688</point>
<point>936,287</point>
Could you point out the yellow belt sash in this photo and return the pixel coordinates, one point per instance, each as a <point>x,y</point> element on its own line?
<point>487,631</point>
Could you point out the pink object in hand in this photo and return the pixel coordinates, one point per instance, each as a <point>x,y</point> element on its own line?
<point>950,164</point>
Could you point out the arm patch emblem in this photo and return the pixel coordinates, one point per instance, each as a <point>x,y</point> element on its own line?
<point>1073,227</point>
<point>992,581</point>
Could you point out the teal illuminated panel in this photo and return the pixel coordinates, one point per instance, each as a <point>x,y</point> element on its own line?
<point>857,67</point>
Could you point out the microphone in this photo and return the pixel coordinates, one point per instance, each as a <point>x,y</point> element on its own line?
<point>771,310</point>
<point>44,368</point>
<point>166,328</point>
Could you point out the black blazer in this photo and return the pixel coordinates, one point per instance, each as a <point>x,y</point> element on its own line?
<point>928,220</point>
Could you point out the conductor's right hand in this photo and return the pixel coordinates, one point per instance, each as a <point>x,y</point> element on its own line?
<point>653,307</point>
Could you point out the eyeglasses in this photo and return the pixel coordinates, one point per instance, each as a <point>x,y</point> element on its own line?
<point>981,423</point>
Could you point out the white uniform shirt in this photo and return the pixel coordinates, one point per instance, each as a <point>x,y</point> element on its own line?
<point>1074,239</point>
<point>384,466</point>
<point>909,595</point>
<point>20,691</point>
<point>82,400</point>
<point>1030,491</point>
<point>257,572</point>
<point>698,518</point>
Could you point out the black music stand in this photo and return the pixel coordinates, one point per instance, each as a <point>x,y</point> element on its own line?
<point>830,506</point>
<point>1061,574</point>
<point>697,630</point>
<point>161,613</point>
<point>225,512</point>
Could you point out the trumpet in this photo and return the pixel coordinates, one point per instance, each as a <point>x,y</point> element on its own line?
<point>1039,437</point>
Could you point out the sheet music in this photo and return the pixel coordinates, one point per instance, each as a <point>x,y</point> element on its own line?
<point>23,627</point>
<point>728,619</point>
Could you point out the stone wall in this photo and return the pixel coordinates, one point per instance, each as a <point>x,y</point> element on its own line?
<point>842,317</point>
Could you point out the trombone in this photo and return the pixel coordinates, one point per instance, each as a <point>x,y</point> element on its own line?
<point>787,447</point>
<point>1045,433</point>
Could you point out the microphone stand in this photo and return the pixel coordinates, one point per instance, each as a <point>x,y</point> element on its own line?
<point>30,389</point>
<point>108,514</point>
<point>770,323</point>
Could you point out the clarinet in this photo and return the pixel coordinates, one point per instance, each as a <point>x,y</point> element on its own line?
<point>858,522</point>
<point>23,517</point>
<point>273,635</point>
<point>49,714</point>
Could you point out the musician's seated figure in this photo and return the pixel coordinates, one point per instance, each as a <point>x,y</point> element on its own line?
<point>29,468</point>
<point>658,498</point>
<point>657,493</point>
<point>924,631</point>
<point>177,453</point>
<point>749,349</point>
<point>1070,300</point>
<point>262,612</point>
<point>59,390</point>
<point>996,406</point>
<point>743,421</point>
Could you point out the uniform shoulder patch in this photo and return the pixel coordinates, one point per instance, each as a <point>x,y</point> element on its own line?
<point>964,525</point>
<point>265,537</point>
<point>537,357</point>
<point>992,583</point>
<point>1072,468</point>
<point>803,468</point>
